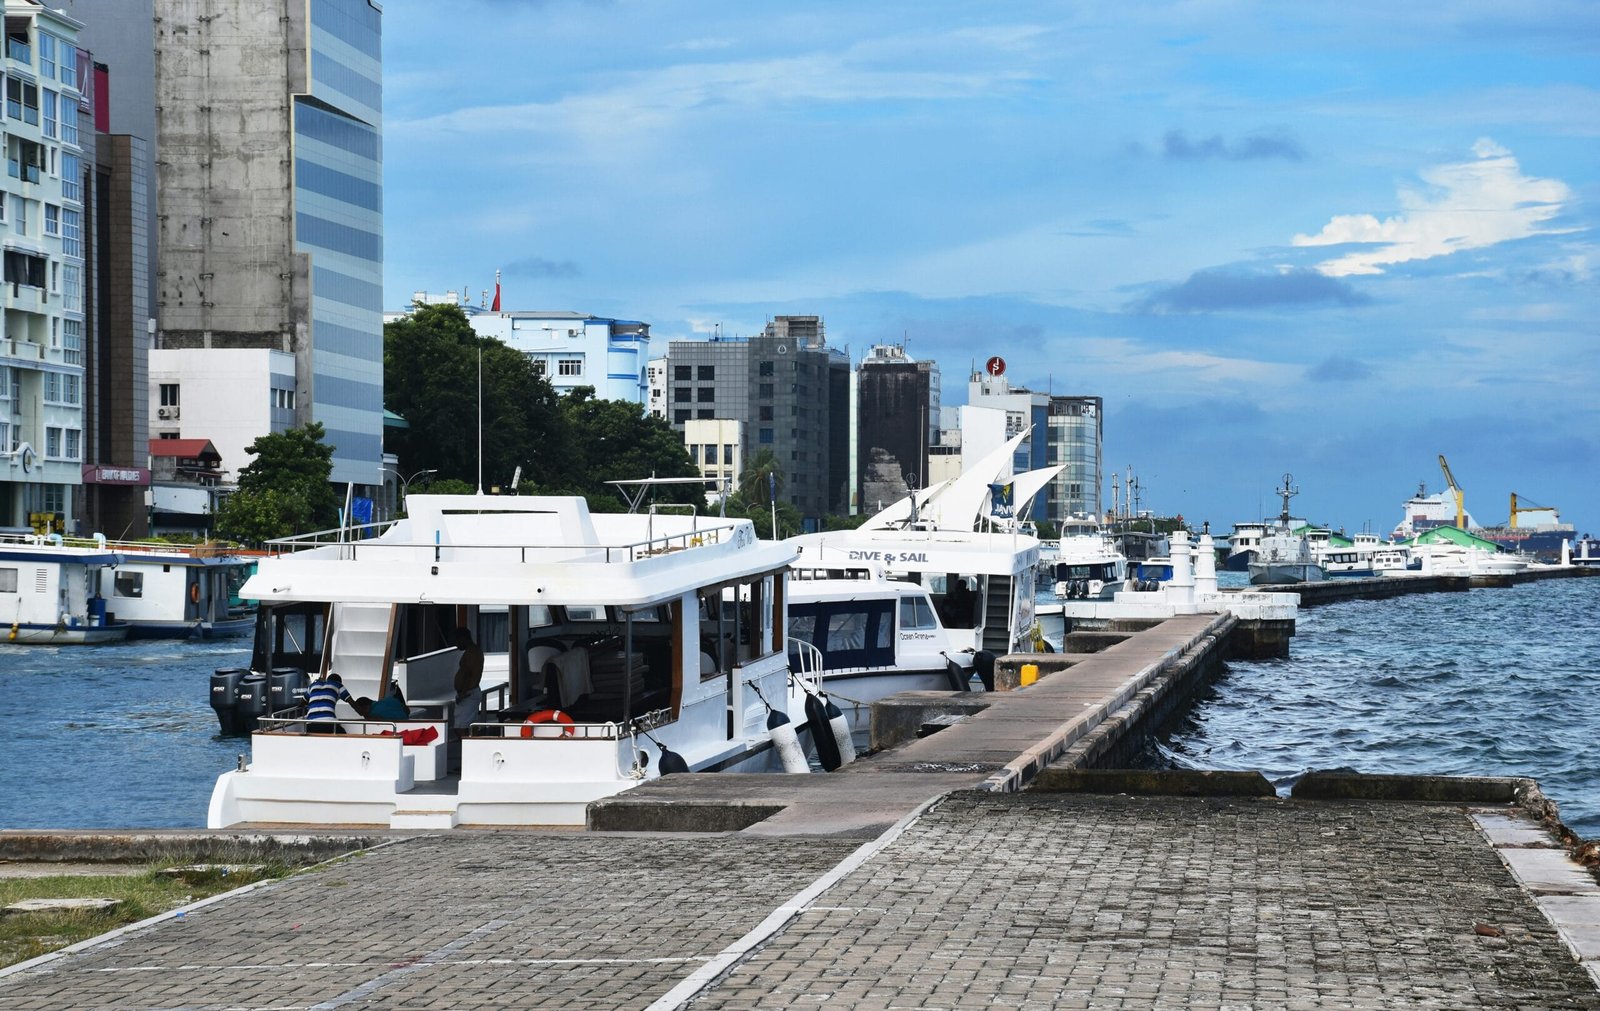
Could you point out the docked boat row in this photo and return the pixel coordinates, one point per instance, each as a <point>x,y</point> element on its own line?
<point>55,591</point>
<point>617,648</point>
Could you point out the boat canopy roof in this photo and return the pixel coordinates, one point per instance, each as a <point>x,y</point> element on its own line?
<point>492,549</point>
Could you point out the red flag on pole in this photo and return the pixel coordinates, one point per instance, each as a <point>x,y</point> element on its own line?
<point>496,306</point>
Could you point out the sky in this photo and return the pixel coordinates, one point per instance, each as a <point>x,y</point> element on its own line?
<point>1332,240</point>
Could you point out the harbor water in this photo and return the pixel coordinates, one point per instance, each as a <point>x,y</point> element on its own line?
<point>1493,682</point>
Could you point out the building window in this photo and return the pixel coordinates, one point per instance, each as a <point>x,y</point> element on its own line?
<point>538,366</point>
<point>727,452</point>
<point>71,178</point>
<point>682,373</point>
<point>711,452</point>
<point>71,287</point>
<point>22,100</point>
<point>569,366</point>
<point>69,121</point>
<point>764,369</point>
<point>764,391</point>
<point>49,113</point>
<point>708,394</point>
<point>52,219</point>
<point>765,413</point>
<point>679,417</point>
<point>72,341</point>
<point>20,268</point>
<point>283,399</point>
<point>52,442</point>
<point>169,394</point>
<point>708,373</point>
<point>680,395</point>
<point>765,437</point>
<point>707,415</point>
<point>74,445</point>
<point>694,453</point>
<point>72,233</point>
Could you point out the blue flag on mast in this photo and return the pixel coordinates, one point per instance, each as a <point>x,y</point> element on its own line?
<point>1000,500</point>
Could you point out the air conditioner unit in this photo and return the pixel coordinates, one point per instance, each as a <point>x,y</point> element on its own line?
<point>168,413</point>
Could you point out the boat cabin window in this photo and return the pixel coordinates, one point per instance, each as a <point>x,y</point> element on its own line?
<point>8,580</point>
<point>916,613</point>
<point>290,635</point>
<point>130,584</point>
<point>958,601</point>
<point>850,633</point>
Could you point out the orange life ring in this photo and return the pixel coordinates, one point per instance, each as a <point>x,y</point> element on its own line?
<point>560,720</point>
<point>194,593</point>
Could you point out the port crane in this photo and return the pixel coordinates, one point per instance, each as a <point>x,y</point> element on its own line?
<point>1455,489</point>
<point>1531,507</point>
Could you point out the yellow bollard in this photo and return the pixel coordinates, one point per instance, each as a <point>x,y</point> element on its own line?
<point>1030,674</point>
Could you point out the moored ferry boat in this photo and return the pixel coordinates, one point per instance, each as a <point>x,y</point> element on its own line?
<point>624,639</point>
<point>173,592</point>
<point>50,593</point>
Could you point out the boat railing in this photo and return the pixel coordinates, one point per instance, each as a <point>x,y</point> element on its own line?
<point>301,725</point>
<point>370,548</point>
<point>547,730</point>
<point>805,664</point>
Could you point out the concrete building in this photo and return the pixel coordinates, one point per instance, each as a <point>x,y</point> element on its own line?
<point>655,374</point>
<point>241,393</point>
<point>791,391</point>
<point>897,422</point>
<point>571,349</point>
<point>43,224</point>
<point>270,183</point>
<point>1066,430</point>
<point>717,448</point>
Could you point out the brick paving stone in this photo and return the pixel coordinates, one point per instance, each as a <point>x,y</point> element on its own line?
<point>466,920</point>
<point>1180,902</point>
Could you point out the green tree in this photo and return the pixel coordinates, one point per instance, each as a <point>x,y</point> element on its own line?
<point>762,474</point>
<point>284,490</point>
<point>431,362</point>
<point>614,440</point>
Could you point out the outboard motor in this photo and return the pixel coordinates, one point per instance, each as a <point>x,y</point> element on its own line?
<point>286,689</point>
<point>225,697</point>
<point>252,701</point>
<point>983,663</point>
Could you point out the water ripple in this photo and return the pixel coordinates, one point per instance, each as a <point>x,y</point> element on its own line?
<point>1498,682</point>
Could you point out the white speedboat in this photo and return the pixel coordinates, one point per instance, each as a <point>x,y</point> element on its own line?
<point>624,637</point>
<point>1365,556</point>
<point>1087,563</point>
<point>50,593</point>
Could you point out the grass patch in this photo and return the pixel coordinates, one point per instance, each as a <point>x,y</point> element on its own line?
<point>28,935</point>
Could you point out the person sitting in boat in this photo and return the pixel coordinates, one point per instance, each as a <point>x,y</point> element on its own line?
<point>391,707</point>
<point>321,699</point>
<point>469,675</point>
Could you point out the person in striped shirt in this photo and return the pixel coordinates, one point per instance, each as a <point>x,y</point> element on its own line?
<point>321,697</point>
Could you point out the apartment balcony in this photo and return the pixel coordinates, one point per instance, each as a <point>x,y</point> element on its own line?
<point>25,298</point>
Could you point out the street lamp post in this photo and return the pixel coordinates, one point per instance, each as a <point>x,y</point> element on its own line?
<point>405,482</point>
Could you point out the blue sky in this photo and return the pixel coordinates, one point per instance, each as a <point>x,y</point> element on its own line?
<point>1332,239</point>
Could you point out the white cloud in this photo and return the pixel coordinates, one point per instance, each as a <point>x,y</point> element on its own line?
<point>1466,205</point>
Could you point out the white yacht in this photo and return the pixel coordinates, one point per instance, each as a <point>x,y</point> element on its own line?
<point>1086,563</point>
<point>1366,555</point>
<point>621,638</point>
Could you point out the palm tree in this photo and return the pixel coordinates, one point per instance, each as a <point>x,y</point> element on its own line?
<point>761,477</point>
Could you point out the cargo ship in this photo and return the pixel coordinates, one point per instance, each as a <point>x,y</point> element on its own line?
<point>1531,529</point>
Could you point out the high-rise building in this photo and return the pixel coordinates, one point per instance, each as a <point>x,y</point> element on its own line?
<point>789,389</point>
<point>1075,442</point>
<point>43,216</point>
<point>897,422</point>
<point>270,185</point>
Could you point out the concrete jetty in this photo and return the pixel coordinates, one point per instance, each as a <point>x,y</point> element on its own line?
<point>952,870</point>
<point>1328,591</point>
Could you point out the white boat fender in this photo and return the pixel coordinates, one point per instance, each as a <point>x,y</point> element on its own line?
<point>821,732</point>
<point>787,742</point>
<point>783,735</point>
<point>841,732</point>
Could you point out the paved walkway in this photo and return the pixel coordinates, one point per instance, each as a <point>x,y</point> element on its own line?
<point>1017,901</point>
